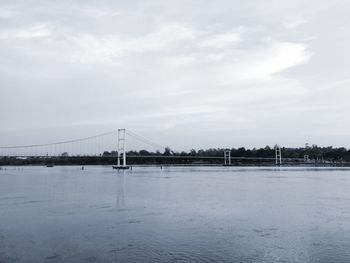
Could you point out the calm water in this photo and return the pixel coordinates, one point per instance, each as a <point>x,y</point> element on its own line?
<point>65,214</point>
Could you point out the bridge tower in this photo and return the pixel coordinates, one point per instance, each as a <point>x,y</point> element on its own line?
<point>227,157</point>
<point>121,148</point>
<point>278,155</point>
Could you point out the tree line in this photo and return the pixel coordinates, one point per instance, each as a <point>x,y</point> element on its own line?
<point>313,152</point>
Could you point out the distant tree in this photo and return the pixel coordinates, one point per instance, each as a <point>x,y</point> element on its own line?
<point>106,153</point>
<point>241,151</point>
<point>144,152</point>
<point>248,153</point>
<point>193,152</point>
<point>167,151</point>
<point>314,152</point>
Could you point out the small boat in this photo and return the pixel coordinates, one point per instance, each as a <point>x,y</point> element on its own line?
<point>49,165</point>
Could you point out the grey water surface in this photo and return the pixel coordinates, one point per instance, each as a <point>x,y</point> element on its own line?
<point>178,214</point>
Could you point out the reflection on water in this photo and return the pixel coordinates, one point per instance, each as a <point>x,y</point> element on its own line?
<point>120,190</point>
<point>218,214</point>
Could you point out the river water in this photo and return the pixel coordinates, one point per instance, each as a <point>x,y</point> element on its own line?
<point>179,214</point>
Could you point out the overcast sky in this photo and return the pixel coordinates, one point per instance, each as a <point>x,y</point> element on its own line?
<point>184,73</point>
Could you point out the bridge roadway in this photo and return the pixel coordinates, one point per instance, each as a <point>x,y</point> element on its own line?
<point>156,156</point>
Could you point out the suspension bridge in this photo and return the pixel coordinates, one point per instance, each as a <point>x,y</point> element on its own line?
<point>105,145</point>
<point>118,145</point>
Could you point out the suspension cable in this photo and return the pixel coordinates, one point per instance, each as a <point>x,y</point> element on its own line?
<point>144,140</point>
<point>58,143</point>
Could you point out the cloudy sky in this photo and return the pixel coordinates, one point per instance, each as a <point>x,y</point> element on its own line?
<point>184,73</point>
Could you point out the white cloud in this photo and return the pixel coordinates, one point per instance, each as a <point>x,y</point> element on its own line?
<point>295,22</point>
<point>167,65</point>
<point>36,31</point>
<point>8,11</point>
<point>88,48</point>
<point>261,62</point>
<point>223,40</point>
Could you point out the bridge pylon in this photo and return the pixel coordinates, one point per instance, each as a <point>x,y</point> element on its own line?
<point>278,155</point>
<point>121,157</point>
<point>227,158</point>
